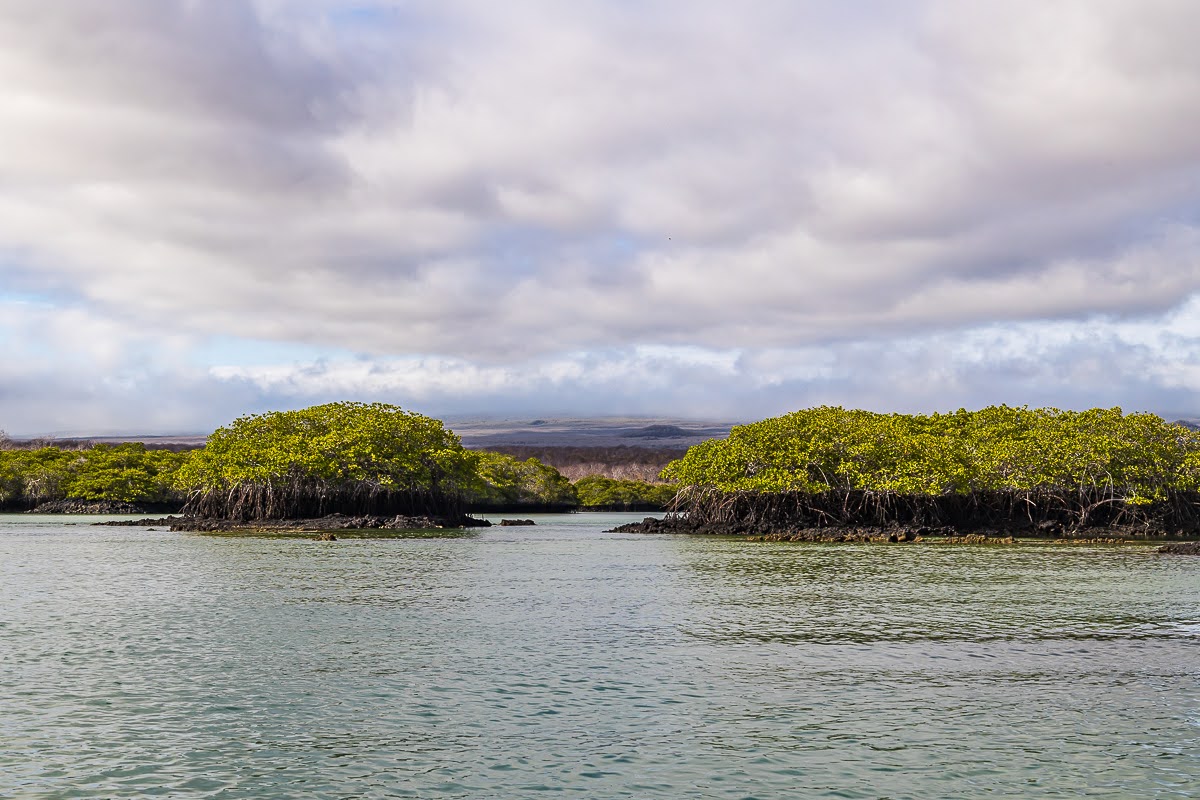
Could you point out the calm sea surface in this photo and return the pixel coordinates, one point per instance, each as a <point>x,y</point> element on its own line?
<point>562,660</point>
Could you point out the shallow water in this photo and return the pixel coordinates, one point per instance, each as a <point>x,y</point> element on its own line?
<point>514,662</point>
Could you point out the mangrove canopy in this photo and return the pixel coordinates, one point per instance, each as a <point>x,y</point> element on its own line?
<point>507,483</point>
<point>999,465</point>
<point>127,472</point>
<point>613,494</point>
<point>348,458</point>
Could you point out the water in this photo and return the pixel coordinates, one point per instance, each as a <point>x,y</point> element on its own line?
<point>517,662</point>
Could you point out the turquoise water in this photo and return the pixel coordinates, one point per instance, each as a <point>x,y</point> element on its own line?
<point>561,660</point>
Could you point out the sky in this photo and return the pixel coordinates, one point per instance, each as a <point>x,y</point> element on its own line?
<point>674,209</point>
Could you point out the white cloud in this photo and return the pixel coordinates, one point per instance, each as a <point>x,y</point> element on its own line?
<point>482,197</point>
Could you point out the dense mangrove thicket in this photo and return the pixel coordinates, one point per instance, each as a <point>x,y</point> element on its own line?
<point>340,458</point>
<point>639,463</point>
<point>348,458</point>
<point>600,492</point>
<point>507,483</point>
<point>1000,466</point>
<point>129,473</point>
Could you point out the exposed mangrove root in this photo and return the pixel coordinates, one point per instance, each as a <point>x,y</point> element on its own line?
<point>300,498</point>
<point>1032,513</point>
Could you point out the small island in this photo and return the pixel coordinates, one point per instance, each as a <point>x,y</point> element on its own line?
<point>337,466</point>
<point>831,474</point>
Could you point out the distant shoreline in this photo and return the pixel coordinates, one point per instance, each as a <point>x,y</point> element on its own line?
<point>483,434</point>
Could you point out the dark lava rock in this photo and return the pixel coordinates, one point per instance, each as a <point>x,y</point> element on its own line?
<point>332,522</point>
<point>862,534</point>
<point>1181,548</point>
<point>141,523</point>
<point>87,507</point>
<point>507,523</point>
<point>655,525</point>
<point>899,533</point>
<point>1049,527</point>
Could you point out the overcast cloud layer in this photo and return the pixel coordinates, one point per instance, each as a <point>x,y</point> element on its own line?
<point>677,208</point>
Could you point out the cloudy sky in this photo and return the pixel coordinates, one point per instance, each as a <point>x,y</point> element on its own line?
<point>213,207</point>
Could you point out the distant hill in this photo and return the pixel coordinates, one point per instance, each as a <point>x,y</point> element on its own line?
<point>175,443</point>
<point>658,432</point>
<point>482,433</point>
<point>489,434</point>
<point>1194,424</point>
<point>629,449</point>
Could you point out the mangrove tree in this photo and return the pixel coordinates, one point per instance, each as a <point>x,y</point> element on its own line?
<point>999,466</point>
<point>347,458</point>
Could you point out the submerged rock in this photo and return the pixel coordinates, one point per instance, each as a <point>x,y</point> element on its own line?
<point>656,525</point>
<point>140,523</point>
<point>1181,548</point>
<point>899,533</point>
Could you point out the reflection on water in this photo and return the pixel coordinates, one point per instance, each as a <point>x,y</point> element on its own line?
<point>874,593</point>
<point>559,658</point>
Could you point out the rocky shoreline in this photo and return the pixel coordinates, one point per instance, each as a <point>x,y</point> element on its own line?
<point>1181,548</point>
<point>902,534</point>
<point>332,522</point>
<point>88,507</point>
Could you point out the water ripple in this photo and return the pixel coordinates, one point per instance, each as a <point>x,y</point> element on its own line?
<point>562,660</point>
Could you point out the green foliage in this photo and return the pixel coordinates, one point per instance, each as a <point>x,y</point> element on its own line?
<point>33,476</point>
<point>506,481</point>
<point>599,491</point>
<point>338,444</point>
<point>124,472</point>
<point>355,458</point>
<point>1138,458</point>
